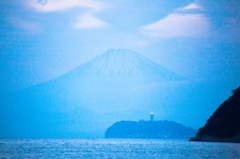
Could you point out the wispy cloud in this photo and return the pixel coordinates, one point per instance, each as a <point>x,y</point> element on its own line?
<point>192,6</point>
<point>89,21</point>
<point>86,20</point>
<point>184,23</point>
<point>60,5</point>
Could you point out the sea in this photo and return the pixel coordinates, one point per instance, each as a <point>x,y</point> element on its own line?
<point>116,148</point>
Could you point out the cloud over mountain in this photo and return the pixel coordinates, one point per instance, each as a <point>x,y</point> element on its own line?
<point>86,20</point>
<point>61,5</point>
<point>89,21</point>
<point>184,22</point>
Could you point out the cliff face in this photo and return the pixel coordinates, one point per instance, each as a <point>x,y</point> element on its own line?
<point>224,124</point>
<point>148,129</point>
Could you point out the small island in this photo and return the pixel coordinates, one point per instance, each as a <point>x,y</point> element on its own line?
<point>224,124</point>
<point>149,129</point>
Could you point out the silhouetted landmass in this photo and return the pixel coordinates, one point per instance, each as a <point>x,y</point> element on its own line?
<point>224,124</point>
<point>148,129</point>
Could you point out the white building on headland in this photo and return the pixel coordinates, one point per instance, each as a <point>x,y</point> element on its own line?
<point>151,116</point>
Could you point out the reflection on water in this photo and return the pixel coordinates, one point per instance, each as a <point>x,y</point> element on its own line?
<point>115,148</point>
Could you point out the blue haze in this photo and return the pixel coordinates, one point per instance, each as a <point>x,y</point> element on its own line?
<point>117,85</point>
<point>40,43</point>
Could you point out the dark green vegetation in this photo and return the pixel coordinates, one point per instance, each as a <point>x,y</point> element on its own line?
<point>148,129</point>
<point>224,124</point>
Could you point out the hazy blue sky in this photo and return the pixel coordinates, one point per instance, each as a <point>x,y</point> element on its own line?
<point>42,39</point>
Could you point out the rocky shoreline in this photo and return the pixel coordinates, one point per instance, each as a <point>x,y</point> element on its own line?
<point>207,138</point>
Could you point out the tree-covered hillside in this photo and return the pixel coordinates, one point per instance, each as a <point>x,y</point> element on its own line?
<point>148,129</point>
<point>224,124</point>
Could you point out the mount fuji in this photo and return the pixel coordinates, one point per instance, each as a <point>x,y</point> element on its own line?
<point>116,85</point>
<point>123,65</point>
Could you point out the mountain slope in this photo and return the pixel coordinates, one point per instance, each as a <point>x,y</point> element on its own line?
<point>121,67</point>
<point>79,103</point>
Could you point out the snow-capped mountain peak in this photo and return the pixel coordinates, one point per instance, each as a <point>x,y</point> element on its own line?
<point>126,64</point>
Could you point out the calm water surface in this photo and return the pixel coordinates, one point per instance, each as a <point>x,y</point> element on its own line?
<point>115,148</point>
